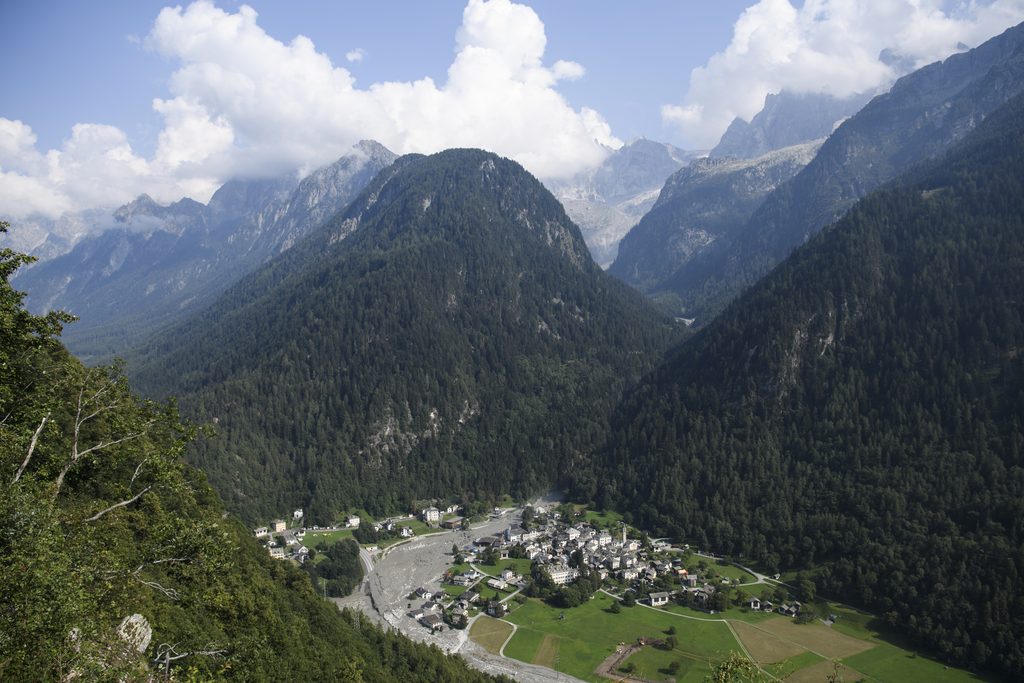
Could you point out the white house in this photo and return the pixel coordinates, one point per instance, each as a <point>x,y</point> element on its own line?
<point>352,521</point>
<point>562,575</point>
<point>297,514</point>
<point>659,599</point>
<point>431,515</point>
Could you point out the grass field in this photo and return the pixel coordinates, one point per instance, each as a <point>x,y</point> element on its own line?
<point>489,633</point>
<point>821,671</point>
<point>315,539</point>
<point>590,633</point>
<point>653,663</point>
<point>547,651</point>
<point>765,648</point>
<point>521,565</point>
<point>817,637</point>
<point>891,665</point>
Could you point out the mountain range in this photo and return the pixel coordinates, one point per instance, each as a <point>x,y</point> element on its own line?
<point>609,200</point>
<point>161,264</point>
<point>848,402</point>
<point>447,333</point>
<point>923,113</point>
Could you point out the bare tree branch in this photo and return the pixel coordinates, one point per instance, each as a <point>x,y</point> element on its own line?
<point>31,448</point>
<point>121,504</point>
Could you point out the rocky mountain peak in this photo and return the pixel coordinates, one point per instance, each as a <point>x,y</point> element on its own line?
<point>787,119</point>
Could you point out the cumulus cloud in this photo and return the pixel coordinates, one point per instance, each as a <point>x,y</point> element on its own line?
<point>356,55</point>
<point>828,46</point>
<point>242,101</point>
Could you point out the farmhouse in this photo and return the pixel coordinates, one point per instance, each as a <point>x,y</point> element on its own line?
<point>659,599</point>
<point>278,525</point>
<point>432,621</point>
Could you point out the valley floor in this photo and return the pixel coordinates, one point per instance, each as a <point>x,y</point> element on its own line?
<point>384,597</point>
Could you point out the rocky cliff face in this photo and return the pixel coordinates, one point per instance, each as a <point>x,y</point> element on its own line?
<point>700,210</point>
<point>787,119</point>
<point>609,200</point>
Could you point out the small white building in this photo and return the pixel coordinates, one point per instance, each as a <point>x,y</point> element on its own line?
<point>297,514</point>
<point>659,599</point>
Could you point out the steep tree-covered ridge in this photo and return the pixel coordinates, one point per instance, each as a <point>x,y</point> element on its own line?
<point>101,522</point>
<point>448,334</point>
<point>862,408</point>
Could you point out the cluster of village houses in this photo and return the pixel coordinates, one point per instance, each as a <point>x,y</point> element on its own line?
<point>549,543</point>
<point>289,545</point>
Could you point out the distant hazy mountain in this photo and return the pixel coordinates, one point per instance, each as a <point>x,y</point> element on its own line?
<point>700,210</point>
<point>787,119</point>
<point>161,263</point>
<point>448,332</point>
<point>607,201</point>
<point>920,116</point>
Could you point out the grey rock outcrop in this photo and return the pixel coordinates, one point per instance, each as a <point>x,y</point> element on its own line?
<point>787,119</point>
<point>700,210</point>
<point>607,201</point>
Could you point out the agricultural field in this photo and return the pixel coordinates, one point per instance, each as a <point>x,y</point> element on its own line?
<point>590,633</point>
<point>800,652</point>
<point>489,633</point>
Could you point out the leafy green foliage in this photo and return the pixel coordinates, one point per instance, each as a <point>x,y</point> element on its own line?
<point>862,407</point>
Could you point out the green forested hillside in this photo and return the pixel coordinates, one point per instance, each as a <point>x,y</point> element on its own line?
<point>101,520</point>
<point>460,341</point>
<point>862,407</point>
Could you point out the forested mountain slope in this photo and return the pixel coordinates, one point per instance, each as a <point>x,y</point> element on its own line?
<point>159,265</point>
<point>921,115</point>
<point>448,334</point>
<point>101,520</point>
<point>862,406</point>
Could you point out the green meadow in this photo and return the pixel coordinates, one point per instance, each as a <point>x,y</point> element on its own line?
<point>590,633</point>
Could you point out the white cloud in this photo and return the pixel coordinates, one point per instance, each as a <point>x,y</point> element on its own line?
<point>356,55</point>
<point>243,101</point>
<point>825,46</point>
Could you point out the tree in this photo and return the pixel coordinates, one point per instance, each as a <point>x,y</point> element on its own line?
<point>671,630</point>
<point>674,666</point>
<point>671,643</point>
<point>455,548</point>
<point>615,608</point>
<point>628,600</point>
<point>94,500</point>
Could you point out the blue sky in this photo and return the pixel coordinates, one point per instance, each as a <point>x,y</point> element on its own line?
<point>108,99</point>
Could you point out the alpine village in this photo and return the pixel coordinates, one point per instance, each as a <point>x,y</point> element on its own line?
<point>408,420</point>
